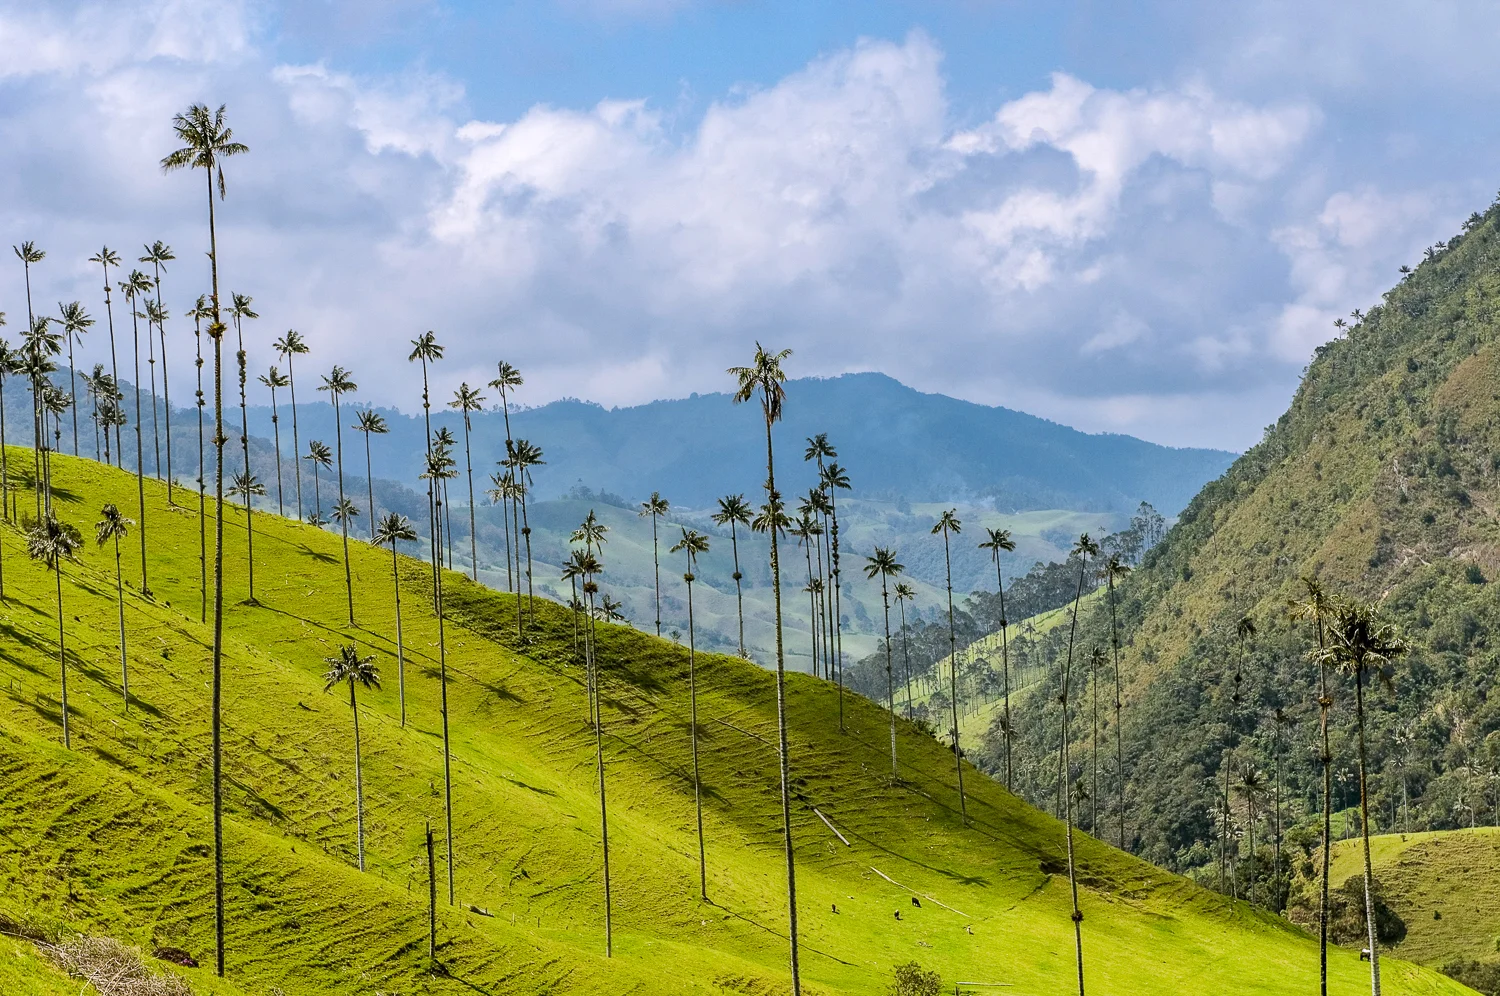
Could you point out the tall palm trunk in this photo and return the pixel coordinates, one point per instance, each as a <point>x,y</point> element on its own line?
<point>838,608</point>
<point>1364,827</point>
<point>400,645</point>
<point>62,656</point>
<point>1094,745</point>
<point>693,721</point>
<point>739,593</point>
<point>820,615</point>
<point>36,416</point>
<point>890,678</point>
<point>370,485</point>
<point>359,784</point>
<point>202,469</point>
<point>120,601</point>
<point>609,945</point>
<point>655,563</point>
<point>473,530</point>
<point>1114,645</point>
<point>114,362</point>
<point>151,376</point>
<point>1325,703</point>
<point>515,584</point>
<point>166,395</point>
<point>140,453</point>
<point>906,656</point>
<point>338,429</point>
<point>515,512</point>
<point>4,465</point>
<point>276,441</point>
<point>958,757</point>
<point>1067,765</point>
<point>436,528</point>
<point>291,379</point>
<point>239,356</point>
<point>216,332</point>
<point>786,788</point>
<point>73,387</point>
<point>433,510</point>
<point>1005,665</point>
<point>812,603</point>
<point>250,540</point>
<point>525,483</point>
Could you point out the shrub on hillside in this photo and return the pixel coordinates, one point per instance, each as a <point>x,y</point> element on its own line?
<point>1481,976</point>
<point>114,969</point>
<point>912,979</point>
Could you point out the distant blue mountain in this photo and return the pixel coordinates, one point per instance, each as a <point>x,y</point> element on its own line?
<point>895,442</point>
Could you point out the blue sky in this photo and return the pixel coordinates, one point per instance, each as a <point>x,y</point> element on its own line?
<point>1137,218</point>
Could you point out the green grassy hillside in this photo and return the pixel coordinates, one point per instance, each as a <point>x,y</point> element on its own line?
<point>1443,886</point>
<point>1382,481</point>
<point>113,836</point>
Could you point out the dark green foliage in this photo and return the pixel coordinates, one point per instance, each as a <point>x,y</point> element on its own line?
<point>912,979</point>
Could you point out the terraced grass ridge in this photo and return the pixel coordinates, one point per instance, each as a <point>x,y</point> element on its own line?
<point>113,837</point>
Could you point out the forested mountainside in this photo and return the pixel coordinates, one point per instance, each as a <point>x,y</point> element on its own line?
<point>1381,482</point>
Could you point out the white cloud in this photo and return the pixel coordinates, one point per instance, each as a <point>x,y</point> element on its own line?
<point>1115,258</point>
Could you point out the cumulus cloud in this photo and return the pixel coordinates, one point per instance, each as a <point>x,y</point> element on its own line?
<point>1112,258</point>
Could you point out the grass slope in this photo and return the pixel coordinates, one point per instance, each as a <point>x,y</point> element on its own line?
<point>113,836</point>
<point>1443,886</point>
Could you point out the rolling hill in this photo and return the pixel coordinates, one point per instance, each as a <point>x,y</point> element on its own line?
<point>1442,885</point>
<point>113,836</point>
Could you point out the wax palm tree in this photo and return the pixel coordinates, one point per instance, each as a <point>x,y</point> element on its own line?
<point>1315,606</point>
<point>572,571</point>
<point>338,383</point>
<point>507,379</point>
<point>318,455</point>
<point>764,377</point>
<point>691,545</point>
<point>137,285</point>
<point>1097,659</point>
<point>655,507</point>
<point>805,528</point>
<point>949,525</point>
<point>202,311</point>
<point>75,322</point>
<point>52,542</point>
<point>442,449</point>
<point>1083,550</point>
<point>396,528</point>
<point>348,666</point>
<point>1114,570</point>
<point>1251,787</point>
<point>9,363</point>
<point>999,542</point>
<point>505,493</point>
<point>158,254</point>
<point>835,479</point>
<point>207,142</point>
<point>273,379</point>
<point>1363,646</point>
<point>733,512</point>
<point>241,309</point>
<point>28,253</point>
<point>818,505</point>
<point>524,456</point>
<point>37,350</point>
<point>467,400</point>
<point>883,565</point>
<point>818,449</point>
<point>110,529</point>
<point>288,346</point>
<point>248,486</point>
<point>107,257</point>
<point>592,568</point>
<point>56,402</point>
<point>371,423</point>
<point>426,349</point>
<point>593,534</point>
<point>904,593</point>
<point>433,474</point>
<point>154,315</point>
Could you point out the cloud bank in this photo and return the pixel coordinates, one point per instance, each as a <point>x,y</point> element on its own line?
<point>1157,260</point>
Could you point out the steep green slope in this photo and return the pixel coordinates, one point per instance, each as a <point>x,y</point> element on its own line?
<point>1442,884</point>
<point>1381,480</point>
<point>113,836</point>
